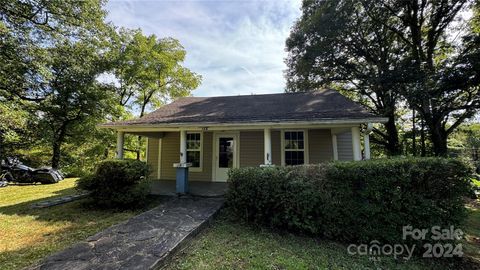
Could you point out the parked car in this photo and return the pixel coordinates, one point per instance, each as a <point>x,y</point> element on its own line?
<point>12,170</point>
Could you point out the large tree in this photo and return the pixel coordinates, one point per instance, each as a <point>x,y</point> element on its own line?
<point>381,49</point>
<point>442,63</point>
<point>27,29</point>
<point>334,44</point>
<point>150,71</point>
<point>79,101</point>
<point>30,32</point>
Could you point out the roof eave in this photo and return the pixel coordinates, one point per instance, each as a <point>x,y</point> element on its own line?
<point>344,121</point>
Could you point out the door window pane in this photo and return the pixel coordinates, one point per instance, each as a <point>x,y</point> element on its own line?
<point>225,152</point>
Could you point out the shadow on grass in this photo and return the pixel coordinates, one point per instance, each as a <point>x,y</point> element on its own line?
<point>71,222</point>
<point>70,211</point>
<point>15,208</point>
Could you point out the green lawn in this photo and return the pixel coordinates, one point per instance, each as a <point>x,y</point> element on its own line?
<point>27,235</point>
<point>230,245</point>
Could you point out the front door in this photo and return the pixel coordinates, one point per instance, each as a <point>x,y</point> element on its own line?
<point>225,155</point>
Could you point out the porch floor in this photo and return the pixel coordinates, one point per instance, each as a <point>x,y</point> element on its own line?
<point>196,188</point>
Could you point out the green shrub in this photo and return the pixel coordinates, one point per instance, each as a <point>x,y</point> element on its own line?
<point>353,201</point>
<point>117,184</point>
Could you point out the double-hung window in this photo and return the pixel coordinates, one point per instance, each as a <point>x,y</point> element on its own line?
<point>294,147</point>
<point>194,150</point>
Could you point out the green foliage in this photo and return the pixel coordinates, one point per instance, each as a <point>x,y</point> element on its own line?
<point>53,61</point>
<point>467,136</point>
<point>349,51</point>
<point>28,29</point>
<point>80,101</point>
<point>353,201</point>
<point>118,184</point>
<point>52,53</point>
<point>80,155</point>
<point>385,51</point>
<point>13,128</point>
<point>150,70</point>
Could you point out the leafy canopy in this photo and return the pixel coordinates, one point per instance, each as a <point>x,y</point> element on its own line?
<point>424,51</point>
<point>150,70</point>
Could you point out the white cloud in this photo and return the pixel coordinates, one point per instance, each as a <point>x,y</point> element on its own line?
<point>237,46</point>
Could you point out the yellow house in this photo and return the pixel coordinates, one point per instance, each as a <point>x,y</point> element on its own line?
<point>209,135</point>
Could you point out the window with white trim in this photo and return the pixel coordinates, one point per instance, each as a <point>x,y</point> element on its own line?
<point>194,149</point>
<point>294,147</point>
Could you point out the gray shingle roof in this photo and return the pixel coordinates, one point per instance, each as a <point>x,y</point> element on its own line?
<point>320,105</point>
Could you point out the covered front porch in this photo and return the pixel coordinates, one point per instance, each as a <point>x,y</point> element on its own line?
<point>196,160</point>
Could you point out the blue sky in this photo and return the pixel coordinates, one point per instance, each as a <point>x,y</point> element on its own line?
<point>237,46</point>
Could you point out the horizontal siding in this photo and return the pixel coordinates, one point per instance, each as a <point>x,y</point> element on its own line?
<point>171,155</point>
<point>344,146</point>
<point>320,145</point>
<point>206,173</point>
<point>251,148</point>
<point>276,149</point>
<point>153,156</point>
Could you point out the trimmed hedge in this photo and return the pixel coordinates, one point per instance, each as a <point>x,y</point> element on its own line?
<point>353,201</point>
<point>118,184</point>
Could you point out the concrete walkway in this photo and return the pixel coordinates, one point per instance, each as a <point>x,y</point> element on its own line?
<point>142,242</point>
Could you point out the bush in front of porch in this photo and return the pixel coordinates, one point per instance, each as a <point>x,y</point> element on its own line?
<point>118,183</point>
<point>354,201</point>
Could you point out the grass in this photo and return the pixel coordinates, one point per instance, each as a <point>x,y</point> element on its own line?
<point>28,235</point>
<point>232,245</point>
<point>472,230</point>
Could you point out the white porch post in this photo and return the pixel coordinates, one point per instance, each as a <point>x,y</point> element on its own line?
<point>183,146</point>
<point>335,146</point>
<point>267,142</point>
<point>120,142</point>
<point>357,151</point>
<point>366,141</point>
<point>366,145</point>
<point>181,177</point>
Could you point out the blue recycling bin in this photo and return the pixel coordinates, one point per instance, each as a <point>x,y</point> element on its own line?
<point>182,177</point>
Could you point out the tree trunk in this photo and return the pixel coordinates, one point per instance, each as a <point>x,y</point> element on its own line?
<point>142,113</point>
<point>422,139</point>
<point>393,146</point>
<point>439,139</point>
<point>139,147</point>
<point>58,139</point>
<point>56,154</point>
<point>414,135</point>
